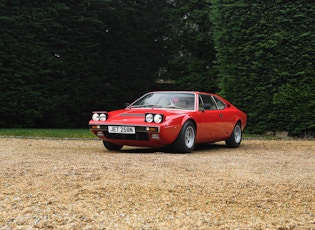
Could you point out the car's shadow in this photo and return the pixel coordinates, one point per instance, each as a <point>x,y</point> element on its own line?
<point>168,150</point>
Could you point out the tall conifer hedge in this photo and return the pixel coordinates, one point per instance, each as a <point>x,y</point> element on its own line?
<point>265,55</point>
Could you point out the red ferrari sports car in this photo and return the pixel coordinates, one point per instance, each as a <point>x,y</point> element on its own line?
<point>180,119</point>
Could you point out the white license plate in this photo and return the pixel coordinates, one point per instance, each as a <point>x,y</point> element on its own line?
<point>122,129</point>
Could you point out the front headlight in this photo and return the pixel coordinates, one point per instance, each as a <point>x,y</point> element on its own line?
<point>158,118</point>
<point>102,117</point>
<point>149,117</point>
<point>95,117</point>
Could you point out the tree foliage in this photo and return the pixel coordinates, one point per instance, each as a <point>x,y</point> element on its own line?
<point>60,60</point>
<point>190,52</point>
<point>265,56</point>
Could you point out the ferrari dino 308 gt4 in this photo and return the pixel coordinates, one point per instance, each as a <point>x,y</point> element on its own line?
<point>178,119</point>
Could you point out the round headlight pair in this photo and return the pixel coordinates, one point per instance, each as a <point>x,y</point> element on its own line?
<point>99,117</point>
<point>157,118</point>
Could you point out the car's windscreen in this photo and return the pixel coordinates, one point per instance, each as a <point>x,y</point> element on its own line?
<point>172,100</point>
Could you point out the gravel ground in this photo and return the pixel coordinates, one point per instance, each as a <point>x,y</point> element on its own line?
<point>77,184</point>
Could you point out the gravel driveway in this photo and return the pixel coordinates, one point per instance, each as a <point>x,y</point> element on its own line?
<point>77,184</point>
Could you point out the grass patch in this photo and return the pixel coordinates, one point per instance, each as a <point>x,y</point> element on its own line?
<point>49,133</point>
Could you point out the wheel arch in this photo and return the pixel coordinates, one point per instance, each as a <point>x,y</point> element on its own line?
<point>192,120</point>
<point>235,138</point>
<point>239,120</point>
<point>180,145</point>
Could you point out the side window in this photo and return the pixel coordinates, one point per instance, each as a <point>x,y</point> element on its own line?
<point>206,102</point>
<point>220,104</point>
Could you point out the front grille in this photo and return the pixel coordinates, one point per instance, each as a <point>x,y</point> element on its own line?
<point>136,136</point>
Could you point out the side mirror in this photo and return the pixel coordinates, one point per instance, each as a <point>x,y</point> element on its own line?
<point>228,105</point>
<point>207,106</point>
<point>201,108</point>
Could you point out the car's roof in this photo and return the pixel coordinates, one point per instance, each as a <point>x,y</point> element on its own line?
<point>183,91</point>
<point>179,91</point>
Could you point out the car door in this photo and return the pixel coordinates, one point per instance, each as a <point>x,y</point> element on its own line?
<point>212,119</point>
<point>228,116</point>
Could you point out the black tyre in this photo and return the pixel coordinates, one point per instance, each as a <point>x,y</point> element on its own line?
<point>186,140</point>
<point>235,139</point>
<point>111,146</point>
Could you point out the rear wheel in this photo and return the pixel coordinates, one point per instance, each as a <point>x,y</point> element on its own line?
<point>111,146</point>
<point>235,139</point>
<point>186,140</point>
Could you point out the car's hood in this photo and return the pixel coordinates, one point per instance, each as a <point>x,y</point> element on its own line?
<point>135,116</point>
<point>126,116</point>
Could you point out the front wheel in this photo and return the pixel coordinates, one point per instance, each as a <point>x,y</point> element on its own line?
<point>186,140</point>
<point>235,139</point>
<point>111,146</point>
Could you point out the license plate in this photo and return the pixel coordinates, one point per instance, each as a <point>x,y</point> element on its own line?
<point>122,129</point>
